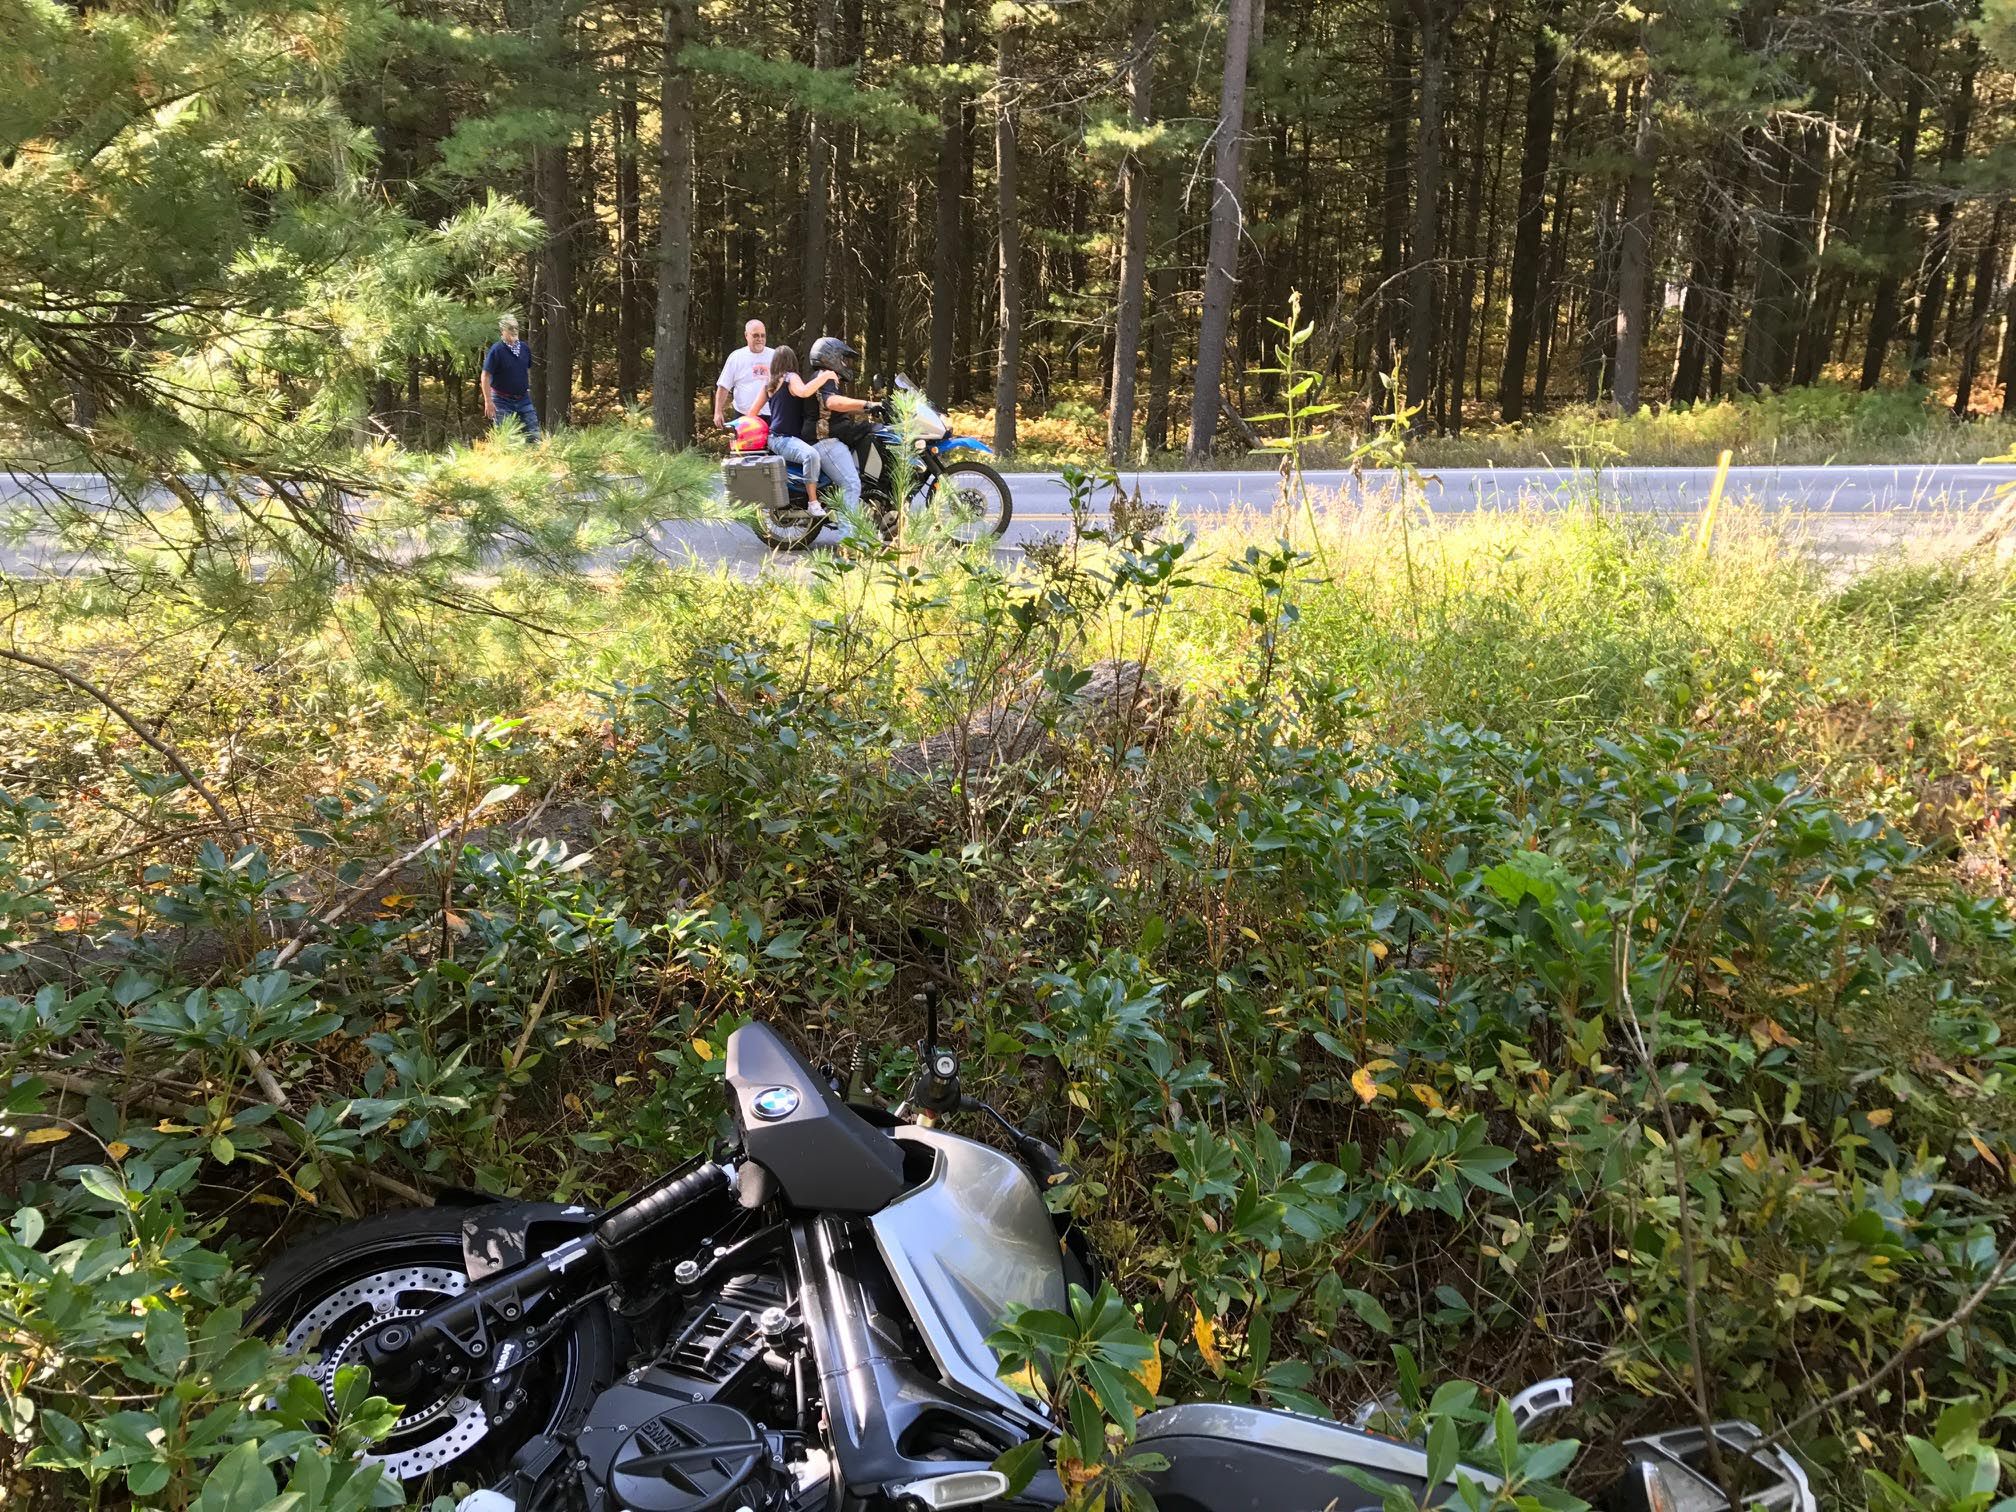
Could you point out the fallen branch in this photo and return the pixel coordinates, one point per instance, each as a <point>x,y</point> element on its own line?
<point>344,904</point>
<point>132,721</point>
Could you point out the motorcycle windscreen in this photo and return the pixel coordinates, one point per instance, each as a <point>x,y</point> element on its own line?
<point>824,1155</point>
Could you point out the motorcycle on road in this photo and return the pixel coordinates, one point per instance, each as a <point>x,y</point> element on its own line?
<point>799,1324</point>
<point>945,479</point>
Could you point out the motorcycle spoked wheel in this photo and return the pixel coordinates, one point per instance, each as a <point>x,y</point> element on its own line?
<point>325,1294</point>
<point>971,498</point>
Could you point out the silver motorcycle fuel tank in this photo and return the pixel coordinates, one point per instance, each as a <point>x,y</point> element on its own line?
<point>963,1246</point>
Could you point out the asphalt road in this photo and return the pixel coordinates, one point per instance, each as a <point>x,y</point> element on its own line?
<point>1857,512</point>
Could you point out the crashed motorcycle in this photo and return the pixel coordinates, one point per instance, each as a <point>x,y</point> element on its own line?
<point>798,1323</point>
<point>937,473</point>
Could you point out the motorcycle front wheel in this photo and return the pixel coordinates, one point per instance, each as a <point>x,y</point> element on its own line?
<point>326,1294</point>
<point>971,498</point>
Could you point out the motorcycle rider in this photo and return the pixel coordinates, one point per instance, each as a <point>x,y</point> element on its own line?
<point>838,456</point>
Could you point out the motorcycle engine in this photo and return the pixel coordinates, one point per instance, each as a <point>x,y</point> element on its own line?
<point>690,1432</point>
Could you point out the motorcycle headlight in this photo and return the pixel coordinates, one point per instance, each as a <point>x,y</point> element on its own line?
<point>1669,1472</point>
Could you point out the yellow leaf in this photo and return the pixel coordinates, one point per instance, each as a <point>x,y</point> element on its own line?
<point>396,900</point>
<point>1426,1094</point>
<point>1725,964</point>
<point>1249,934</point>
<point>1878,1117</point>
<point>1149,1371</point>
<point>702,1049</point>
<point>1025,1382</point>
<point>572,1103</point>
<point>454,921</point>
<point>1363,1084</point>
<point>1792,990</point>
<point>267,1199</point>
<point>1983,1151</point>
<point>1205,1332</point>
<point>47,1134</point>
<point>118,1149</point>
<point>1378,949</point>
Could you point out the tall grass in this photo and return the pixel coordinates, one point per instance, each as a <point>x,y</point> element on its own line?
<point>1823,424</point>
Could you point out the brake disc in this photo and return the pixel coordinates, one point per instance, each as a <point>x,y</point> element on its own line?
<point>429,1434</point>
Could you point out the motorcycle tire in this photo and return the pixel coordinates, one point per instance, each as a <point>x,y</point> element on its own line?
<point>780,534</point>
<point>339,1281</point>
<point>993,504</point>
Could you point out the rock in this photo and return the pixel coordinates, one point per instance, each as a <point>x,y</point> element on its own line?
<point>1120,700</point>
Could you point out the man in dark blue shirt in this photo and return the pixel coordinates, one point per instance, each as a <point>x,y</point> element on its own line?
<point>507,380</point>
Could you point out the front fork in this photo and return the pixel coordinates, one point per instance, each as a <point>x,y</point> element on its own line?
<point>457,1340</point>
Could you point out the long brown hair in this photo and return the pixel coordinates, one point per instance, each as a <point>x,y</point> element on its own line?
<point>783,363</point>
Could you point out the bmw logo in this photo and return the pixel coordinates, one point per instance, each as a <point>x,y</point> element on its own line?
<point>776,1102</point>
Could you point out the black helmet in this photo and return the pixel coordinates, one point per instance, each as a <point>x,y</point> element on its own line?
<point>831,352</point>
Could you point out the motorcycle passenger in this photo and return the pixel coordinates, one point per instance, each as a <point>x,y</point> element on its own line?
<point>837,457</point>
<point>794,419</point>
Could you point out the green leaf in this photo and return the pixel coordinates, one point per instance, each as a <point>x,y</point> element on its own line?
<point>167,1339</point>
<point>27,1225</point>
<point>239,1483</point>
<point>1020,1465</point>
<point>147,1477</point>
<point>1443,1448</point>
<point>101,1183</point>
<point>1548,1461</point>
<point>785,946</point>
<point>1369,1310</point>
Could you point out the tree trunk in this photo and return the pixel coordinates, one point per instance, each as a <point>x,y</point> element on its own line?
<point>629,245</point>
<point>550,170</point>
<point>1134,193</point>
<point>1008,367</point>
<point>1939,251</point>
<point>818,187</point>
<point>1986,265</point>
<point>1163,290</point>
<point>671,397</point>
<point>2005,377</point>
<point>1896,238</point>
<point>1534,156</point>
<point>1221,268</point>
<point>1559,227</point>
<point>947,253</point>
<point>1424,269</point>
<point>1385,394</point>
<point>1691,361</point>
<point>1599,319</point>
<point>1723,311</point>
<point>1785,251</point>
<point>1494,202</point>
<point>1473,207</point>
<point>1634,250</point>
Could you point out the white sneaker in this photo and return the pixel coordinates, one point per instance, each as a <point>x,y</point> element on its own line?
<point>815,509</point>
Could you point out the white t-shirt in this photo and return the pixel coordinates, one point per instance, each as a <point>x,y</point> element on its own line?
<point>747,374</point>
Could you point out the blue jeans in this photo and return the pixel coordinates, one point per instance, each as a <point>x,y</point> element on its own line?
<point>791,449</point>
<point>836,461</point>
<point>519,409</point>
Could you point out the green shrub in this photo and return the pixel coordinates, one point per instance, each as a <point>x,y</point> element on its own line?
<point>1463,967</point>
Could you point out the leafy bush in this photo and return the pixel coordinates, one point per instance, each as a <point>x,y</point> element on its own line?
<point>1520,1007</point>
